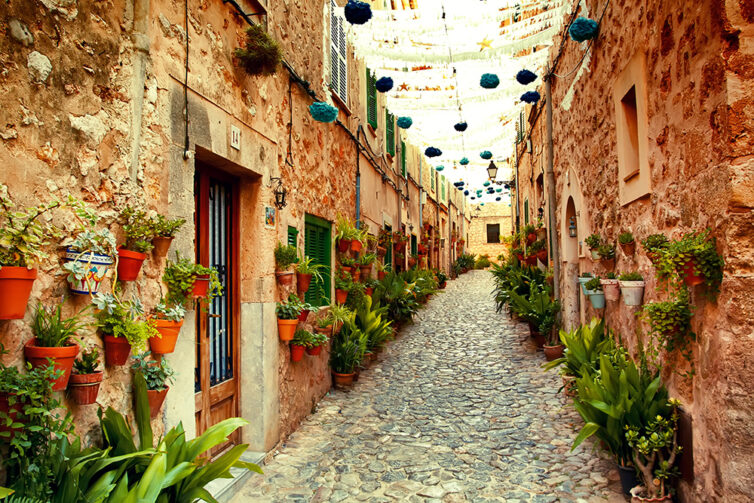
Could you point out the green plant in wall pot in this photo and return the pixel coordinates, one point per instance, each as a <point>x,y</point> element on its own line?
<point>261,54</point>
<point>596,294</point>
<point>157,374</point>
<point>285,257</point>
<point>631,288</point>
<point>670,328</point>
<point>654,244</point>
<point>164,231</point>
<point>606,251</point>
<point>306,272</point>
<point>627,242</point>
<point>347,351</point>
<point>123,326</point>
<point>693,260</point>
<point>187,280</point>
<point>593,241</point>
<point>139,232</point>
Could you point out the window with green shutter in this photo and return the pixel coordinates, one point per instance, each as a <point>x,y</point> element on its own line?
<point>389,133</point>
<point>292,236</point>
<point>526,212</point>
<point>389,255</point>
<point>414,245</point>
<point>371,99</point>
<point>432,178</point>
<point>317,247</point>
<point>403,158</point>
<point>442,188</point>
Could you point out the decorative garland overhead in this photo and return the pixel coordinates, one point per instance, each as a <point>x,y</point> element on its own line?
<point>357,12</point>
<point>440,168</point>
<point>530,97</point>
<point>525,77</point>
<point>384,84</point>
<point>583,29</point>
<point>464,161</point>
<point>323,112</point>
<point>404,122</point>
<point>489,81</point>
<point>486,155</point>
<point>461,127</point>
<point>433,152</point>
<point>486,184</point>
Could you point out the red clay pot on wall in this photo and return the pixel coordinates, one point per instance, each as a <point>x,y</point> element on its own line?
<point>369,291</point>
<point>303,281</point>
<point>553,352</point>
<point>691,278</point>
<point>156,399</point>
<point>62,359</point>
<point>303,315</point>
<point>297,352</point>
<point>84,388</point>
<point>285,278</point>
<point>531,260</point>
<point>341,296</point>
<point>117,350</point>
<point>542,255</point>
<point>129,264</point>
<point>286,329</point>
<point>201,286</point>
<point>381,251</point>
<point>356,245</point>
<point>411,262</point>
<point>343,379</point>
<point>15,288</point>
<point>356,274</point>
<point>169,331</point>
<point>161,245</point>
<point>315,351</point>
<point>629,248</point>
<point>344,245</point>
<point>381,275</point>
<point>366,272</point>
<point>531,237</point>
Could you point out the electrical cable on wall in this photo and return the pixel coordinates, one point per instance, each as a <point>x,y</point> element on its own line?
<point>186,149</point>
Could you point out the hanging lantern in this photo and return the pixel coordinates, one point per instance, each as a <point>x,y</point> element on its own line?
<point>464,161</point>
<point>572,227</point>
<point>461,127</point>
<point>492,171</point>
<point>384,84</point>
<point>489,81</point>
<point>404,122</point>
<point>323,112</point>
<point>280,192</point>
<point>530,97</point>
<point>433,152</point>
<point>583,29</point>
<point>525,77</point>
<point>487,155</point>
<point>357,12</point>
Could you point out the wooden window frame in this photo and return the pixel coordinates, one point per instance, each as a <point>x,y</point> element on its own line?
<point>338,56</point>
<point>371,101</point>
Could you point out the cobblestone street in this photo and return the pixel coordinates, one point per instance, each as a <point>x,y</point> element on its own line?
<point>456,409</point>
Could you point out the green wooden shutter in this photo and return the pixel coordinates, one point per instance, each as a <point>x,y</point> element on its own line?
<point>388,261</point>
<point>403,158</point>
<point>292,236</point>
<point>371,99</point>
<point>414,246</point>
<point>390,133</point>
<point>526,212</point>
<point>317,247</point>
<point>442,188</point>
<point>432,178</point>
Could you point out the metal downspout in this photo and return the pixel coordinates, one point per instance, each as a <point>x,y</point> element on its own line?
<point>555,247</point>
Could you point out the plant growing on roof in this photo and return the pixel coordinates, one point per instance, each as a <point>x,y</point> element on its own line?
<point>261,54</point>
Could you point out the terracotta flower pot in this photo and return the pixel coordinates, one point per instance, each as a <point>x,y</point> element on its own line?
<point>610,288</point>
<point>169,331</point>
<point>84,388</point>
<point>343,379</point>
<point>315,351</point>
<point>369,291</point>
<point>15,288</point>
<point>303,315</point>
<point>156,399</point>
<point>635,498</point>
<point>341,296</point>
<point>411,262</point>
<point>366,272</point>
<point>553,352</point>
<point>62,358</point>
<point>531,260</point>
<point>346,269</point>
<point>356,274</point>
<point>117,350</point>
<point>531,237</point>
<point>344,245</point>
<point>96,266</point>
<point>303,281</point>
<point>690,277</point>
<point>324,330</point>
<point>542,255</point>
<point>629,248</point>
<point>201,286</point>
<point>540,340</point>
<point>284,278</point>
<point>161,245</point>
<point>286,329</point>
<point>129,264</point>
<point>297,352</point>
<point>381,251</point>
<point>356,245</point>
<point>381,275</point>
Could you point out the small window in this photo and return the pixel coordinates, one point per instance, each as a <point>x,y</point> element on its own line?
<point>493,233</point>
<point>338,56</point>
<point>371,99</point>
<point>389,133</point>
<point>442,188</point>
<point>414,245</point>
<point>631,147</point>
<point>526,212</point>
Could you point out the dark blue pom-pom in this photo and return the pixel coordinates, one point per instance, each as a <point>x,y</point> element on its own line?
<point>472,198</point>
<point>526,77</point>
<point>583,29</point>
<point>465,192</point>
<point>405,122</point>
<point>384,84</point>
<point>433,152</point>
<point>323,112</point>
<point>357,12</point>
<point>497,199</point>
<point>486,154</point>
<point>489,81</point>
<point>530,97</point>
<point>464,161</point>
<point>461,126</point>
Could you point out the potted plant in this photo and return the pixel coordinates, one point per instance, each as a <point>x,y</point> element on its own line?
<point>538,250</point>
<point>548,326</point>
<point>306,270</point>
<point>287,313</point>
<point>593,241</point>
<point>346,352</point>
<point>261,54</point>
<point>654,244</point>
<point>627,243</point>
<point>594,291</point>
<point>157,375</point>
<point>285,257</point>
<point>381,272</point>
<point>610,286</point>
<point>347,263</point>
<point>529,232</point>
<point>304,307</point>
<point>412,260</point>
<point>343,284</point>
<point>442,279</point>
<point>23,237</point>
<point>53,341</point>
<point>298,344</point>
<point>607,255</point>
<point>90,254</point>
<point>384,241</point>
<point>139,233</point>
<point>694,260</point>
<point>167,320</point>
<point>186,280</point>
<point>399,241</point>
<point>583,279</point>
<point>164,230</point>
<point>123,327</point>
<point>324,325</point>
<point>315,343</point>
<point>357,240</point>
<point>670,322</point>
<point>632,288</point>
<point>345,233</point>
<point>369,286</point>
<point>85,380</point>
<point>365,262</point>
<point>338,315</point>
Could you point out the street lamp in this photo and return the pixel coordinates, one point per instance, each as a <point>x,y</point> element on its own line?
<point>572,227</point>
<point>492,170</point>
<point>280,192</point>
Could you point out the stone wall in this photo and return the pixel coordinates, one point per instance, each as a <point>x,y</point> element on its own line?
<point>490,213</point>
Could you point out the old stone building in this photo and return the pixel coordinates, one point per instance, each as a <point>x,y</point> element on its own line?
<point>490,225</point>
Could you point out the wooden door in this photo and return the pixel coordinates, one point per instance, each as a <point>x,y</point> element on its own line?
<point>217,379</point>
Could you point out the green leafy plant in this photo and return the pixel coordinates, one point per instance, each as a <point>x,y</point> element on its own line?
<point>697,250</point>
<point>285,256</point>
<point>166,227</point>
<point>654,243</point>
<point>88,238</point>
<point>538,308</point>
<point>594,284</point>
<point>338,314</point>
<point>87,362</point>
<point>606,251</point>
<point>348,348</point>
<point>23,236</point>
<point>157,374</point>
<point>124,319</point>
<point>302,337</point>
<point>347,261</point>
<point>371,320</point>
<point>180,276</point>
<point>631,276</point>
<point>611,275</point>
<point>625,238</point>
<point>317,340</point>
<point>586,275</point>
<point>528,229</point>
<point>583,347</point>
<point>306,265</point>
<point>593,241</point>
<point>343,281</point>
<point>398,296</point>
<point>670,326</point>
<point>366,259</point>
<point>138,228</point>
<point>346,229</point>
<point>52,330</point>
<point>168,312</point>
<point>261,54</point>
<point>482,262</point>
<point>441,276</point>
<point>290,309</point>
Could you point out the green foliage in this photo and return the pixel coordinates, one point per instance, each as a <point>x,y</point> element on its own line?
<point>528,229</point>
<point>156,374</point>
<point>611,275</point>
<point>398,296</point>
<point>23,238</point>
<point>421,282</point>
<point>306,265</point>
<point>654,242</point>
<point>302,337</point>
<point>586,275</point>
<point>124,319</point>
<point>583,347</point>
<point>87,362</point>
<point>366,259</point>
<point>371,320</point>
<point>164,311</point>
<point>180,276</point>
<point>166,227</point>
<point>52,330</point>
<point>343,280</point>
<point>670,327</point>
<point>338,314</point>
<point>441,276</point>
<point>88,237</point>
<point>536,246</point>
<point>290,309</point>
<point>346,229</point>
<point>317,340</point>
<point>697,248</point>
<point>593,241</point>
<point>538,308</point>
<point>631,276</point>
<point>464,261</point>
<point>285,256</point>
<point>482,262</point>
<point>138,228</point>
<point>347,261</point>
<point>594,284</point>
<point>348,347</point>
<point>512,278</point>
<point>606,251</point>
<point>625,238</point>
<point>261,54</point>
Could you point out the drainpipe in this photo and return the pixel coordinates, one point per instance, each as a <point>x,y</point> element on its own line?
<point>140,39</point>
<point>358,189</point>
<point>554,245</point>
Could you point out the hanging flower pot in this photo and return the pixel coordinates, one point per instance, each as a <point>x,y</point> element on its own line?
<point>341,296</point>
<point>297,352</point>
<point>344,245</point>
<point>161,245</point>
<point>381,251</point>
<point>94,267</point>
<point>117,350</point>
<point>411,262</point>
<point>553,352</point>
<point>531,237</point>
<point>156,399</point>
<point>632,291</point>
<point>15,288</point>
<point>542,255</point>
<point>628,248</point>
<point>129,264</point>
<point>286,329</point>
<point>284,278</point>
<point>314,351</point>
<point>169,331</point>
<point>597,299</point>
<point>366,272</point>
<point>583,281</point>
<point>356,245</point>
<point>356,274</point>
<point>690,277</point>
<point>611,289</point>
<point>84,388</point>
<point>303,281</point>
<point>343,379</point>
<point>201,286</point>
<point>62,359</point>
<point>261,54</point>
<point>303,315</point>
<point>324,330</point>
<point>381,275</point>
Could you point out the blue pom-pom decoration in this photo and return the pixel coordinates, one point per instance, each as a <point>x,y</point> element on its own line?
<point>357,12</point>
<point>525,77</point>
<point>433,152</point>
<point>583,29</point>
<point>486,154</point>
<point>481,204</point>
<point>323,112</point>
<point>472,198</point>
<point>486,184</point>
<point>464,161</point>
<point>461,127</point>
<point>384,84</point>
<point>530,97</point>
<point>405,122</point>
<point>440,168</point>
<point>465,192</point>
<point>489,81</point>
<point>497,199</point>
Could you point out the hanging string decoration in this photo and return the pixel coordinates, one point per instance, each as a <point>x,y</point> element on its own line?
<point>323,112</point>
<point>583,29</point>
<point>461,127</point>
<point>530,97</point>
<point>440,168</point>
<point>464,161</point>
<point>405,122</point>
<point>489,81</point>
<point>433,152</point>
<point>357,12</point>
<point>525,77</point>
<point>384,84</point>
<point>487,155</point>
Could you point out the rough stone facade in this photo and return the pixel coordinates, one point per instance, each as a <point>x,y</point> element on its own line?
<point>489,214</point>
<point>697,152</point>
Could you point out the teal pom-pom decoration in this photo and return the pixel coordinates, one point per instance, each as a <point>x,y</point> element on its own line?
<point>461,127</point>
<point>481,204</point>
<point>498,190</point>
<point>464,161</point>
<point>583,29</point>
<point>357,12</point>
<point>530,97</point>
<point>486,155</point>
<point>486,184</point>
<point>323,112</point>
<point>489,81</point>
<point>384,84</point>
<point>433,152</point>
<point>405,122</point>
<point>440,168</point>
<point>525,77</point>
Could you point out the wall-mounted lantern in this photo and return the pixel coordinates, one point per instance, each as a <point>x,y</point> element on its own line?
<point>280,193</point>
<point>572,227</point>
<point>492,171</point>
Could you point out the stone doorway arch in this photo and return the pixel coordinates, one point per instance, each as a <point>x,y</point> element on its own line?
<point>571,248</point>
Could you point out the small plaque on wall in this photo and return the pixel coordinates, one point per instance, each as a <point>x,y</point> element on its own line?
<point>235,137</point>
<point>269,216</point>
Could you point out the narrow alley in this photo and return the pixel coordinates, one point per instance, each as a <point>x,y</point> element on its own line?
<point>458,408</point>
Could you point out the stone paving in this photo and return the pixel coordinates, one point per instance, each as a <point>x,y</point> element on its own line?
<point>457,408</point>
